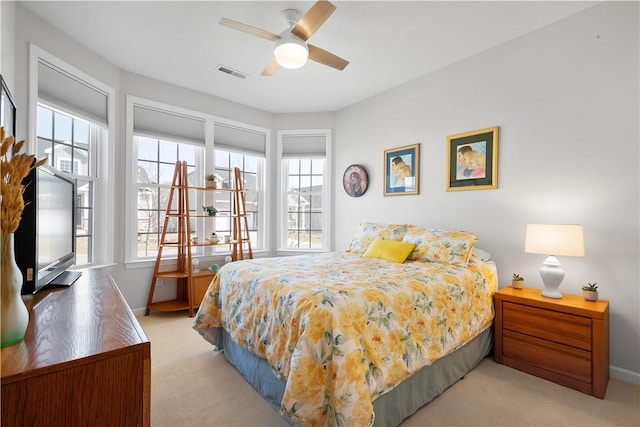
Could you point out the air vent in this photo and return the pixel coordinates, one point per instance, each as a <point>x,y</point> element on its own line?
<point>232,72</point>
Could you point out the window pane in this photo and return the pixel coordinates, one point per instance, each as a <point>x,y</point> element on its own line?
<point>221,159</point>
<point>45,123</point>
<point>83,193</point>
<point>316,240</point>
<point>317,166</point>
<point>294,183</point>
<point>250,182</point>
<point>316,182</point>
<point>305,183</point>
<point>225,177</point>
<point>81,162</point>
<point>147,172</point>
<point>305,166</point>
<point>147,148</point>
<point>236,160</point>
<point>188,153</point>
<point>251,164</point>
<point>44,150</point>
<point>223,224</point>
<point>251,202</point>
<point>316,221</point>
<point>292,239</point>
<point>168,151</point>
<point>294,167</point>
<point>81,134</point>
<point>63,158</point>
<point>165,175</point>
<point>82,250</point>
<point>62,128</point>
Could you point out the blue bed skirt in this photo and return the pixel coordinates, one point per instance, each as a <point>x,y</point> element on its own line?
<point>391,408</point>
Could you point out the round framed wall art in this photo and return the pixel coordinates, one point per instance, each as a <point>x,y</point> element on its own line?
<point>355,180</point>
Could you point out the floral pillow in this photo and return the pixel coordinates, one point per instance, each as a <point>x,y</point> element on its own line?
<point>369,231</point>
<point>443,246</point>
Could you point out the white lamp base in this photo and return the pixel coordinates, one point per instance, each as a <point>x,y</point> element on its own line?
<point>552,275</point>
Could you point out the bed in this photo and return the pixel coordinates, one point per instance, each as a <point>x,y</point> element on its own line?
<point>355,338</point>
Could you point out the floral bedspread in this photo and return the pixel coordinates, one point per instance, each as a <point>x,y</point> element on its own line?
<point>340,329</point>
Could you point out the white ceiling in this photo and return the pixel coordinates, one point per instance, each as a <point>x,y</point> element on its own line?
<point>387,43</point>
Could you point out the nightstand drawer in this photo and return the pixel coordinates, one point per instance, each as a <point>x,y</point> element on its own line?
<point>561,359</point>
<point>562,328</point>
<point>201,283</point>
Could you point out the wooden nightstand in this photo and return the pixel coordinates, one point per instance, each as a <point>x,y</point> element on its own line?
<point>201,283</point>
<point>562,340</point>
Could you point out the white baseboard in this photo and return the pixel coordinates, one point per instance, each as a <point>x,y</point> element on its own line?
<point>139,311</point>
<point>624,375</point>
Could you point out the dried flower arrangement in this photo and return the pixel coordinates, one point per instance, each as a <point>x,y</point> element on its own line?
<point>14,166</point>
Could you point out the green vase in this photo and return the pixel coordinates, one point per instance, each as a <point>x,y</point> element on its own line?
<point>15,316</point>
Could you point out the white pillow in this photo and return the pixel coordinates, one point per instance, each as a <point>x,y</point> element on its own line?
<point>482,254</point>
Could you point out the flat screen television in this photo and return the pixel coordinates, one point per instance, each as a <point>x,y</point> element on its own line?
<point>45,239</point>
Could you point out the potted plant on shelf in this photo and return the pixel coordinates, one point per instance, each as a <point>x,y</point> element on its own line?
<point>210,181</point>
<point>590,292</point>
<point>517,281</point>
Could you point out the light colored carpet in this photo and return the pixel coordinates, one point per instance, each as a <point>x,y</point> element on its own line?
<point>192,385</point>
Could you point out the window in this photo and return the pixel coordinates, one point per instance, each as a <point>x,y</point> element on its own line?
<point>305,194</point>
<point>69,143</point>
<point>304,202</point>
<point>154,175</point>
<point>251,172</point>
<point>71,121</point>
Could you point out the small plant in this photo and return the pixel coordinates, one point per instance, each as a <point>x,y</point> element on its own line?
<point>590,287</point>
<point>517,278</point>
<point>210,178</point>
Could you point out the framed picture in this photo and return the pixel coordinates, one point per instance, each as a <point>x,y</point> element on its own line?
<point>7,110</point>
<point>472,160</point>
<point>402,170</point>
<point>355,180</point>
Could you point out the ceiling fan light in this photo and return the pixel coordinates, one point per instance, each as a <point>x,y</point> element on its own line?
<point>291,52</point>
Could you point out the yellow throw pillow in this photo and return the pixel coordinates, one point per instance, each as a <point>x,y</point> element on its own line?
<point>390,250</point>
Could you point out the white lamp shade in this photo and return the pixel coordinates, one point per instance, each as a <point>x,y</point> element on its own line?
<point>291,51</point>
<point>554,239</point>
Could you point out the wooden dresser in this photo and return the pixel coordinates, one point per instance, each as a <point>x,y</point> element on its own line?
<point>85,360</point>
<point>563,340</point>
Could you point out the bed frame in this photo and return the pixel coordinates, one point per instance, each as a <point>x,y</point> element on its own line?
<point>391,408</point>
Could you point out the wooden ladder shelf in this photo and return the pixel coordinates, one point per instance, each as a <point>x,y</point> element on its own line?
<point>178,209</point>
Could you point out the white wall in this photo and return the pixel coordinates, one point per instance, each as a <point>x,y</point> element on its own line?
<point>7,42</point>
<point>566,100</point>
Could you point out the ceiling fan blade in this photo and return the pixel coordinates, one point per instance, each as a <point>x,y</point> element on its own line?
<point>327,58</point>
<point>249,29</point>
<point>313,19</point>
<point>271,68</point>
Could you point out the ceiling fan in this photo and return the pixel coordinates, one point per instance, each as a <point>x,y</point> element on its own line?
<point>291,47</point>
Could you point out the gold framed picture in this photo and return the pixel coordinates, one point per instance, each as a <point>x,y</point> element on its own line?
<point>472,160</point>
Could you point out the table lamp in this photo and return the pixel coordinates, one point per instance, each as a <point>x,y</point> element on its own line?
<point>552,240</point>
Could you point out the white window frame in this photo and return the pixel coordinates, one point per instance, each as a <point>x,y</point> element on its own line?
<point>104,212</point>
<point>282,211</point>
<point>205,165</point>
